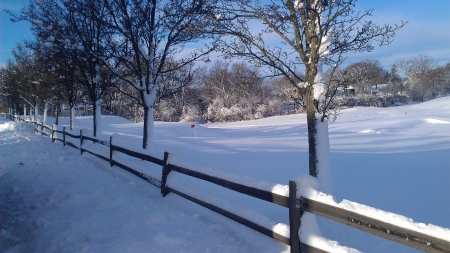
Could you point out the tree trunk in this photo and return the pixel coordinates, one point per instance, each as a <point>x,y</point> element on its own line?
<point>312,130</point>
<point>44,120</point>
<point>72,117</point>
<point>36,111</point>
<point>97,115</point>
<point>148,127</point>
<point>56,112</point>
<point>323,156</point>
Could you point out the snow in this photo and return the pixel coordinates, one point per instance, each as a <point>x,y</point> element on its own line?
<point>38,22</point>
<point>308,188</point>
<point>298,4</point>
<point>143,50</point>
<point>98,113</point>
<point>48,44</point>
<point>390,163</point>
<point>320,90</point>
<point>150,100</point>
<point>323,156</point>
<point>240,48</point>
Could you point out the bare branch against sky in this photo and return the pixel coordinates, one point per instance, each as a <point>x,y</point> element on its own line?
<point>424,34</point>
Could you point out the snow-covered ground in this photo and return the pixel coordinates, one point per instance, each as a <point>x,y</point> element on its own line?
<point>54,200</point>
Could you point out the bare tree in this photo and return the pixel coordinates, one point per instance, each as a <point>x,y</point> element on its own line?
<point>364,75</point>
<point>231,92</point>
<point>311,33</point>
<point>418,71</point>
<point>23,79</point>
<point>146,38</point>
<point>394,80</point>
<point>439,78</point>
<point>74,26</point>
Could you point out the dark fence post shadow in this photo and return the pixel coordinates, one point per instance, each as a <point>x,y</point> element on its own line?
<point>165,173</point>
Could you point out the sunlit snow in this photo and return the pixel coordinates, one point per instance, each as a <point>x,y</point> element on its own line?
<point>383,160</point>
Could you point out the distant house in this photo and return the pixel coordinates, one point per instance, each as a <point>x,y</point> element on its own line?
<point>377,88</point>
<point>349,91</point>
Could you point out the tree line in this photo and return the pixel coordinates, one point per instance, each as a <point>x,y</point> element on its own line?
<point>227,91</point>
<point>236,91</point>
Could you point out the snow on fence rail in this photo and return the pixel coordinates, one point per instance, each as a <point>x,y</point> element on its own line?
<point>415,238</point>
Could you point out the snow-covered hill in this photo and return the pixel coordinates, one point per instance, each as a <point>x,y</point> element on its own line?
<point>395,159</point>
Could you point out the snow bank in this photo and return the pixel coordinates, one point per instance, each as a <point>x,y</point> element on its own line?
<point>307,185</point>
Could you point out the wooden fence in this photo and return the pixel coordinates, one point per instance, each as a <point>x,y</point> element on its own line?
<point>295,205</point>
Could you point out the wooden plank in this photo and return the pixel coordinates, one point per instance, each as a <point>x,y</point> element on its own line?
<point>165,173</point>
<point>105,143</point>
<point>243,221</point>
<point>257,193</point>
<point>310,249</point>
<point>72,135</point>
<point>379,228</point>
<point>89,138</point>
<point>53,134</point>
<point>295,213</point>
<point>147,178</point>
<point>68,143</point>
<point>97,155</point>
<point>81,142</point>
<point>44,133</point>
<point>56,139</point>
<point>138,155</point>
<point>110,151</point>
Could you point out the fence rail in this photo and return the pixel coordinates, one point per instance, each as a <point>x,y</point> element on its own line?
<point>254,192</point>
<point>295,205</point>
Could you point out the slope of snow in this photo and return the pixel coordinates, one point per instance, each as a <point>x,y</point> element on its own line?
<point>394,159</point>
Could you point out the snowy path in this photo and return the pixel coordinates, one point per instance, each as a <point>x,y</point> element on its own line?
<point>54,200</point>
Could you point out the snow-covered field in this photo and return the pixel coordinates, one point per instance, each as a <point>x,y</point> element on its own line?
<point>54,200</point>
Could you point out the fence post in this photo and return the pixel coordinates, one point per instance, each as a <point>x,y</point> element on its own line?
<point>165,173</point>
<point>110,151</point>
<point>81,141</point>
<point>53,133</point>
<point>295,214</point>
<point>64,136</point>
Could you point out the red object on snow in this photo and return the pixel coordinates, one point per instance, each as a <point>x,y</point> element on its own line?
<point>192,126</point>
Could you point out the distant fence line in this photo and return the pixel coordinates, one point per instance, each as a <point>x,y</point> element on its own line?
<point>295,205</point>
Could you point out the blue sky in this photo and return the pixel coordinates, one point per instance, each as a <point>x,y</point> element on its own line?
<point>428,30</point>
